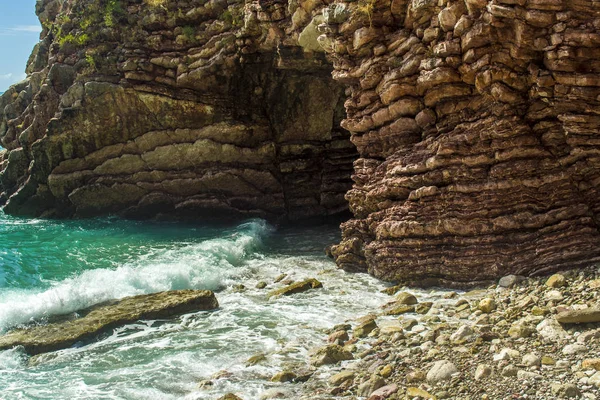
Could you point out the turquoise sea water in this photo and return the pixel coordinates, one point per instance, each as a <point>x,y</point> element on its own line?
<point>49,268</point>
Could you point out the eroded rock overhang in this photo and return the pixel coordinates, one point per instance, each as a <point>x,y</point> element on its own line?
<point>476,123</point>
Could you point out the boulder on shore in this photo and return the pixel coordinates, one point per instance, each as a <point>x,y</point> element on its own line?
<point>330,354</point>
<point>583,316</point>
<point>103,318</point>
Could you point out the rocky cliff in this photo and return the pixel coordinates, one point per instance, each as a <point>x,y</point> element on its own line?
<point>476,124</point>
<point>188,108</point>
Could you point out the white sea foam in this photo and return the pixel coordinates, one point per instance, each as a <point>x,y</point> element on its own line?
<point>206,265</point>
<point>166,360</point>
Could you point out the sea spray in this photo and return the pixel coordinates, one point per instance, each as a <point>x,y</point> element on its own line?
<point>205,265</point>
<point>166,360</point>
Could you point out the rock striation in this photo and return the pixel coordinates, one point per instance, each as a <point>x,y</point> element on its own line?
<point>477,125</point>
<point>475,122</point>
<point>192,109</point>
<point>103,318</point>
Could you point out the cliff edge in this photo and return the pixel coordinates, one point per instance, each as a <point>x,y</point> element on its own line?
<point>470,129</point>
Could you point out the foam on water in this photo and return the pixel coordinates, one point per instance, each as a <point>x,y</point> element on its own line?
<point>206,265</point>
<point>166,360</point>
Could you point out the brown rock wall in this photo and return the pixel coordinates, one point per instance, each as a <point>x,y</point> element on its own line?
<point>475,122</point>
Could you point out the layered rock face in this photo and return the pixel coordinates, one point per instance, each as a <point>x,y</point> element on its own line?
<point>172,107</point>
<point>478,128</point>
<point>476,123</point>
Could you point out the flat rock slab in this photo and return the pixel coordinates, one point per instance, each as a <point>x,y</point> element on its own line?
<point>297,287</point>
<point>583,316</point>
<point>56,336</point>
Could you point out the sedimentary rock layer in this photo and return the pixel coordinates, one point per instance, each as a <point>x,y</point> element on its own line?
<point>476,124</point>
<point>172,108</point>
<point>102,319</point>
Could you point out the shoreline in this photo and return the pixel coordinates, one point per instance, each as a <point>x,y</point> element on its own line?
<point>493,343</point>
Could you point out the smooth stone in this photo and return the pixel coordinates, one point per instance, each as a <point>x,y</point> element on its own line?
<point>574,349</point>
<point>595,379</point>
<point>588,336</point>
<point>341,377</point>
<point>506,354</point>
<point>563,364</point>
<point>509,281</point>
<point>551,330</point>
<point>406,298</point>
<point>408,323</point>
<point>419,393</point>
<point>483,371</point>
<point>416,376</point>
<point>509,371</point>
<point>487,305</point>
<point>539,311</point>
<point>591,363</point>
<point>547,360</point>
<point>528,375</point>
<point>338,337</point>
<point>554,295</point>
<point>384,392</point>
<point>387,371</point>
<point>556,281</point>
<point>371,385</point>
<point>462,333</point>
<point>401,309</point>
<point>390,330</point>
<point>441,370</point>
<point>532,360</point>
<point>521,329</point>
<point>283,376</point>
<point>230,396</point>
<point>586,315</point>
<point>567,390</point>
<point>261,285</point>
<point>423,308</point>
<point>364,329</point>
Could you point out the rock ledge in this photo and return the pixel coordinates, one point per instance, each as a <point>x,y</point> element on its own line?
<point>52,337</point>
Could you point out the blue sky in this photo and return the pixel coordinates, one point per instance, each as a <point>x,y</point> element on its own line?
<point>19,32</point>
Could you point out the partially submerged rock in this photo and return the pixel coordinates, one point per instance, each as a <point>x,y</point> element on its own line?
<point>400,309</point>
<point>406,298</point>
<point>331,354</point>
<point>283,376</point>
<point>256,359</point>
<point>52,337</point>
<point>365,328</point>
<point>297,287</point>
